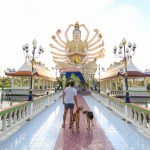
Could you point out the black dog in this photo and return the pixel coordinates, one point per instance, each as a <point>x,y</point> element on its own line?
<point>89,116</point>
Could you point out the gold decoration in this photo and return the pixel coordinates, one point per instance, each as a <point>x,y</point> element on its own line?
<point>96,31</point>
<point>58,31</point>
<point>53,37</point>
<point>76,26</point>
<point>76,59</point>
<point>100,36</point>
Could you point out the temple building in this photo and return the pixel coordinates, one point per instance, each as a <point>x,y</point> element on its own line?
<point>43,79</point>
<point>113,78</point>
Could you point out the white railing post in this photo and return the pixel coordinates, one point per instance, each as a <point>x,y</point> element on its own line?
<point>135,115</point>
<point>4,121</point>
<point>130,114</point>
<point>30,111</point>
<point>19,115</point>
<point>10,119</point>
<point>144,121</point>
<point>126,113</point>
<point>139,118</point>
<point>23,112</point>
<point>15,116</point>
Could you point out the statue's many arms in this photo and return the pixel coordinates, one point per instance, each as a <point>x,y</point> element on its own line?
<point>77,51</point>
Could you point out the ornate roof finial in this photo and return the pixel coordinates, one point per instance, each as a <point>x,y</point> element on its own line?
<point>76,26</point>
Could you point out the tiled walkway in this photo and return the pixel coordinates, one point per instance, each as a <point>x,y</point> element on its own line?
<point>44,132</point>
<point>94,139</point>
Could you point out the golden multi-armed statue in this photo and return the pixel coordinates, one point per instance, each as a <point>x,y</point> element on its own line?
<point>77,52</point>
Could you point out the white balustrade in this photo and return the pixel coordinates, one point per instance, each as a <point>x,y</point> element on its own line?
<point>26,111</point>
<point>129,112</point>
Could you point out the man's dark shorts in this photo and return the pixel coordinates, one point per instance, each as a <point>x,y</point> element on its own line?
<point>69,105</point>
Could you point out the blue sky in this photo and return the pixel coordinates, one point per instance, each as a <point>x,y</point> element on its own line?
<point>24,20</point>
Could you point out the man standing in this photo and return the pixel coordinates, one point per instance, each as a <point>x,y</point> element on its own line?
<point>69,99</point>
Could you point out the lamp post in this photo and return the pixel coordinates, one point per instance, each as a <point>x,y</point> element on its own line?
<point>32,58</point>
<point>128,52</point>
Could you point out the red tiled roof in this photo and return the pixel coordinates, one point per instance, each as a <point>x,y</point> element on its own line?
<point>137,74</point>
<point>39,73</point>
<point>25,70</point>
<point>19,73</point>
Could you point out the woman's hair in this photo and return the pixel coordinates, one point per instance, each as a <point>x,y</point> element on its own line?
<point>72,83</point>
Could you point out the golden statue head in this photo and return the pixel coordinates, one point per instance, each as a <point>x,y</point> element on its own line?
<point>76,32</point>
<point>76,26</point>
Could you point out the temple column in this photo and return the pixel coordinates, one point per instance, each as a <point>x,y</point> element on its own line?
<point>39,80</point>
<point>102,85</point>
<point>116,83</point>
<point>43,84</point>
<point>50,84</point>
<point>110,85</point>
<point>145,85</point>
<point>106,85</point>
<point>21,80</point>
<point>46,84</point>
<point>12,82</point>
<point>29,81</point>
<point>33,82</point>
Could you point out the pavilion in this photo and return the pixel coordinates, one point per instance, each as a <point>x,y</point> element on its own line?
<point>43,79</point>
<point>113,78</point>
